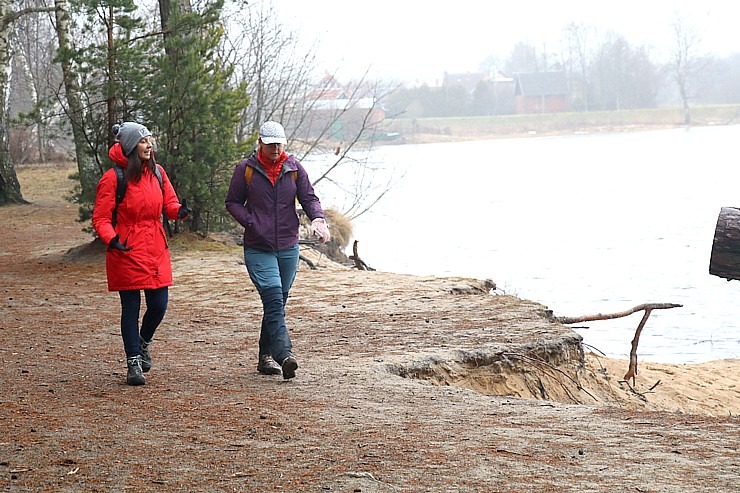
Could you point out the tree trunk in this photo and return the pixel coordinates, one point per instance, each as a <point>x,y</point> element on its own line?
<point>111,102</point>
<point>88,168</point>
<point>725,258</point>
<point>10,188</point>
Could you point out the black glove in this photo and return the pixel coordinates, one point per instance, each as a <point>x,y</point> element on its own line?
<point>184,210</point>
<point>115,244</point>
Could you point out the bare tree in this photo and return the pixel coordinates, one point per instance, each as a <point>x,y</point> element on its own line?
<point>323,116</point>
<point>272,62</point>
<point>687,64</point>
<point>523,58</point>
<point>622,76</point>
<point>577,58</point>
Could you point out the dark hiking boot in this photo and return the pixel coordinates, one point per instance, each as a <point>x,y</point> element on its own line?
<point>135,375</point>
<point>290,365</point>
<point>146,357</point>
<point>268,366</point>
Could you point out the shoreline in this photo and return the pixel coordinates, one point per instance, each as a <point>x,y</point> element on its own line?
<point>405,384</point>
<point>455,129</point>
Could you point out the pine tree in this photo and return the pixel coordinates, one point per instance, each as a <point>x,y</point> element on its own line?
<point>196,109</point>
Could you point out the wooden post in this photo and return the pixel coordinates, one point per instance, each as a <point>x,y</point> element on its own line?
<point>725,258</point>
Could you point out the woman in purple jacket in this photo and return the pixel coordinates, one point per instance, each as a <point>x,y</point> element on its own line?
<point>262,197</point>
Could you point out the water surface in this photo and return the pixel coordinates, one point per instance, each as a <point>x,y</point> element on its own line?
<point>583,224</point>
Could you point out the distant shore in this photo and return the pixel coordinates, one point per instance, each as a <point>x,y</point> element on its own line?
<point>459,129</point>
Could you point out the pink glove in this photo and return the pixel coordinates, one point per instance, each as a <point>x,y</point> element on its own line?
<point>320,228</point>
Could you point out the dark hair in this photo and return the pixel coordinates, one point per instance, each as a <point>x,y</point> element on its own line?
<point>135,168</point>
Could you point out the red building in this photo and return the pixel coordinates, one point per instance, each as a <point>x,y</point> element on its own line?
<point>541,92</point>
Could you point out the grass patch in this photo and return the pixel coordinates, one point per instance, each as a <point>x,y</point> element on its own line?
<point>476,127</point>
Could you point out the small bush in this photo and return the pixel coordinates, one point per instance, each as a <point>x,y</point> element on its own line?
<point>340,227</point>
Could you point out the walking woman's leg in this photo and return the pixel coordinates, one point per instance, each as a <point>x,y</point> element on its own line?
<point>288,265</point>
<point>130,306</point>
<point>264,271</point>
<point>272,306</point>
<point>156,307</point>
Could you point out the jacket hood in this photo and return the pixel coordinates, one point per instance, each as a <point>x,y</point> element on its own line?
<point>117,156</point>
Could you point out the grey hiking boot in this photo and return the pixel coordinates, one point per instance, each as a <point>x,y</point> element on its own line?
<point>268,366</point>
<point>135,375</point>
<point>146,357</point>
<point>290,365</point>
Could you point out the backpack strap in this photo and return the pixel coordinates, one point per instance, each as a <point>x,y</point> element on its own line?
<point>158,174</point>
<point>120,191</point>
<point>121,185</point>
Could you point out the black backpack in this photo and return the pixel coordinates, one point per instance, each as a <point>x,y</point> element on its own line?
<point>121,184</point>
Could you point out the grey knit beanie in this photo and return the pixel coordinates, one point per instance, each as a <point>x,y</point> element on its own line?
<point>129,134</point>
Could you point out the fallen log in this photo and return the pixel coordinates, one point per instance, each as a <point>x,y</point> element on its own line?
<point>725,257</point>
<point>647,307</point>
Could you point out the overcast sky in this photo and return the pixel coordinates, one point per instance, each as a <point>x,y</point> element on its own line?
<point>415,40</point>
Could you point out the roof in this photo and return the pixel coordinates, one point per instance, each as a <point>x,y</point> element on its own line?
<point>343,104</point>
<point>541,83</point>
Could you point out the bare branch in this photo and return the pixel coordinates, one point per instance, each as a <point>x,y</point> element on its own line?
<point>648,307</point>
<point>11,17</point>
<point>600,316</point>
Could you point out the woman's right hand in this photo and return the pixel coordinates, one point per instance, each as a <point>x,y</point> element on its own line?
<point>115,244</point>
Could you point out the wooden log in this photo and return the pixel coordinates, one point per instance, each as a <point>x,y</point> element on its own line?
<point>725,257</point>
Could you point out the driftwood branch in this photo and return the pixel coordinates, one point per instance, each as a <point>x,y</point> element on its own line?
<point>647,307</point>
<point>607,316</point>
<point>632,370</point>
<point>310,264</point>
<point>359,263</point>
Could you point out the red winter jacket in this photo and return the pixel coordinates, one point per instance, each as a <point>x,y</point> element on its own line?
<point>139,226</point>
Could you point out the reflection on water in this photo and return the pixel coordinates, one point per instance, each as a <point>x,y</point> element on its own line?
<point>582,224</point>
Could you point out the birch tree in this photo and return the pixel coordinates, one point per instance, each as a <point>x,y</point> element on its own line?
<point>35,87</point>
<point>10,189</point>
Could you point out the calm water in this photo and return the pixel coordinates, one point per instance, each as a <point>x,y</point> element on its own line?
<point>583,224</point>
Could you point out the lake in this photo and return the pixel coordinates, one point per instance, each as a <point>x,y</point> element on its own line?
<point>583,224</point>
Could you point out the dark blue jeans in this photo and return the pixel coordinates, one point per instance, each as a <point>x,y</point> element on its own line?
<point>156,306</point>
<point>273,274</point>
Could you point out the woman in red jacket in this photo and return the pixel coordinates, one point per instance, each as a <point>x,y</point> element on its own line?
<point>138,257</point>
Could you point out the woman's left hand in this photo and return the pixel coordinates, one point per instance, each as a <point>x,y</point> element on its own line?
<point>320,228</point>
<point>184,211</point>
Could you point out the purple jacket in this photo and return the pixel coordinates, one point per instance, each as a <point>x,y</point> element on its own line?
<point>268,213</point>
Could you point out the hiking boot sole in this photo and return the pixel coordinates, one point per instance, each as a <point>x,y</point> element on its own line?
<point>269,371</point>
<point>136,381</point>
<point>290,365</point>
